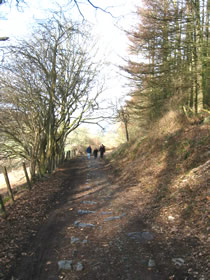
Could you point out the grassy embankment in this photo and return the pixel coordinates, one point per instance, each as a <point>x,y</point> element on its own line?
<point>169,170</point>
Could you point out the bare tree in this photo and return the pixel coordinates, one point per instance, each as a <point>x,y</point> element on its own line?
<point>124,117</point>
<point>51,90</point>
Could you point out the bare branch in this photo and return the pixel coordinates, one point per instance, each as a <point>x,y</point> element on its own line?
<point>93,5</point>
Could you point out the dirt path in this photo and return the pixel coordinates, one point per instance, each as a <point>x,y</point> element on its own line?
<point>92,231</point>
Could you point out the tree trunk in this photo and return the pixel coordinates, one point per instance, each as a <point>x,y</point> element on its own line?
<point>198,48</point>
<point>126,131</point>
<point>51,142</point>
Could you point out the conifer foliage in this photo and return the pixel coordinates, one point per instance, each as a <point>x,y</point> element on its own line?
<point>170,58</point>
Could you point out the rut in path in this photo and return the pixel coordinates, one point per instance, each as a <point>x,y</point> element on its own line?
<point>95,231</point>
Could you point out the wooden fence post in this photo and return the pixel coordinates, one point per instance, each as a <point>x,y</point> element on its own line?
<point>2,204</point>
<point>67,155</point>
<point>8,184</point>
<point>26,174</point>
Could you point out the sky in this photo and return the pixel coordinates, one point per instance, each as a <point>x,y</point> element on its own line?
<point>17,22</point>
<point>107,27</point>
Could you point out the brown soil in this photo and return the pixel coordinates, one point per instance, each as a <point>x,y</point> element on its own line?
<point>144,197</point>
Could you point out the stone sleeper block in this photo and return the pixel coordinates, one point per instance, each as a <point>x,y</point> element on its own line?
<point>105,213</point>
<point>74,240</point>
<point>65,265</point>
<point>85,211</point>
<point>114,218</point>
<point>78,224</point>
<point>89,202</point>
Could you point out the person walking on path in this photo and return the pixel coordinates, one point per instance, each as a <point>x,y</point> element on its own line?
<point>89,151</point>
<point>102,150</point>
<point>95,153</point>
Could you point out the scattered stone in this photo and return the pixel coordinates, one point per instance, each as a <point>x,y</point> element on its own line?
<point>89,202</point>
<point>74,240</point>
<point>147,235</point>
<point>68,265</point>
<point>78,224</point>
<point>84,241</point>
<point>151,263</point>
<point>105,213</point>
<point>114,218</point>
<point>141,236</point>
<point>65,265</point>
<point>79,266</point>
<point>171,218</point>
<point>85,211</point>
<point>178,261</point>
<point>135,235</point>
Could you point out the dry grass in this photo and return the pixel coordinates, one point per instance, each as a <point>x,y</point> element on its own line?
<point>170,169</point>
<point>171,122</point>
<point>16,178</point>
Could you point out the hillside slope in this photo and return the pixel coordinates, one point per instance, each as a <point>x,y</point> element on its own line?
<point>172,174</point>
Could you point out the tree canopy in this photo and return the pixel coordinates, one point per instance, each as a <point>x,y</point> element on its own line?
<point>169,66</point>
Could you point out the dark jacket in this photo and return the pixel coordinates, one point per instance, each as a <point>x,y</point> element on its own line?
<point>89,150</point>
<point>102,149</point>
